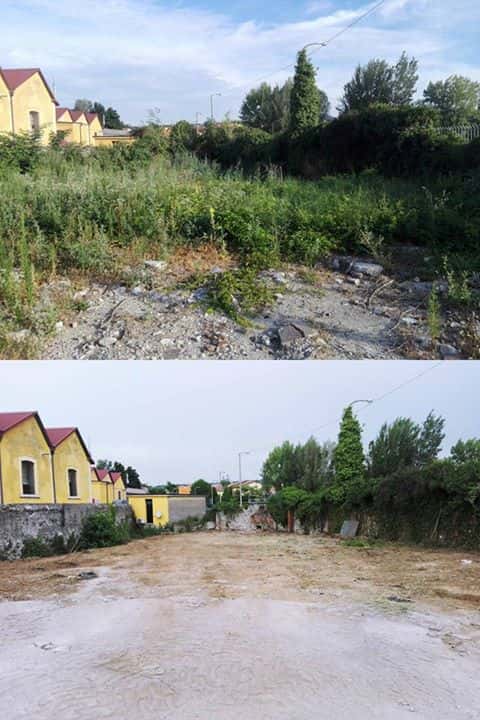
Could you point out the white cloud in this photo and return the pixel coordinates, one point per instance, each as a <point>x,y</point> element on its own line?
<point>137,54</point>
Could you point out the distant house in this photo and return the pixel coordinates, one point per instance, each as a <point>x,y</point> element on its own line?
<point>109,137</point>
<point>25,460</point>
<point>137,491</point>
<point>118,486</point>
<point>184,489</point>
<point>71,463</point>
<point>27,103</point>
<point>102,489</point>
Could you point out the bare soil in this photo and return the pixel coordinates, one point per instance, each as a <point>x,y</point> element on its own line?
<point>277,627</point>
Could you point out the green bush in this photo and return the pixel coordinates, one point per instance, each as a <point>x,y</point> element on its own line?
<point>100,529</point>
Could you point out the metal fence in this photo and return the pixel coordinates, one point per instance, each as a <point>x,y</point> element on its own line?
<point>465,132</point>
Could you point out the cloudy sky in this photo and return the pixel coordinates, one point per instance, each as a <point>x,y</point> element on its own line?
<point>179,421</point>
<point>138,55</point>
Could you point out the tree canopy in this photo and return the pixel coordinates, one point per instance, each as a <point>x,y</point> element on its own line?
<point>109,117</point>
<point>130,476</point>
<point>308,104</point>
<point>377,82</point>
<point>457,99</point>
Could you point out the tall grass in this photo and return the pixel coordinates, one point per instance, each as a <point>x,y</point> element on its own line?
<point>73,212</point>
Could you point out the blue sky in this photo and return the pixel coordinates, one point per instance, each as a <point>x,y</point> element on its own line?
<point>179,421</point>
<point>142,54</point>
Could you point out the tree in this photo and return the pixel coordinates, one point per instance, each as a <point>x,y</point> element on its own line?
<point>99,109</point>
<point>84,105</point>
<point>457,99</point>
<point>267,108</point>
<point>348,457</point>
<point>405,444</point>
<point>377,82</point>
<point>280,469</point>
<point>305,103</point>
<point>314,464</point>
<point>183,137</point>
<point>202,487</point>
<point>466,451</point>
<point>112,119</point>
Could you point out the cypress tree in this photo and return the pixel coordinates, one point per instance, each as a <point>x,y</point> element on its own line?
<point>349,460</point>
<point>305,104</point>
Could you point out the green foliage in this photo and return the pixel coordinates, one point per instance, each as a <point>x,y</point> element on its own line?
<point>457,99</point>
<point>404,444</point>
<point>100,529</point>
<point>281,468</point>
<point>433,314</point>
<point>378,82</point>
<point>306,101</point>
<point>21,152</point>
<point>467,451</point>
<point>348,457</point>
<point>42,547</point>
<point>237,293</point>
<point>183,137</point>
<point>268,108</point>
<point>202,487</point>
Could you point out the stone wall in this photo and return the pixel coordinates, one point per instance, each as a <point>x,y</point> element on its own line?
<point>185,506</point>
<point>21,522</point>
<point>252,518</point>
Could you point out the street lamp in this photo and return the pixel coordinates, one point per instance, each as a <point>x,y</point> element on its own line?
<point>314,44</point>
<point>243,452</point>
<point>211,103</point>
<point>369,402</point>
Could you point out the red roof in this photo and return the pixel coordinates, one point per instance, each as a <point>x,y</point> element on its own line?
<point>58,435</point>
<point>76,114</point>
<point>91,117</point>
<point>17,76</point>
<point>115,476</point>
<point>61,111</point>
<point>10,420</point>
<point>102,474</point>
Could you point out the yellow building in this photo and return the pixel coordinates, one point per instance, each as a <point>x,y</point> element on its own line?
<point>95,128</point>
<point>80,128</point>
<point>150,509</point>
<point>25,460</point>
<point>27,104</point>
<point>102,489</point>
<point>119,491</point>
<point>71,464</point>
<point>108,138</point>
<point>184,489</point>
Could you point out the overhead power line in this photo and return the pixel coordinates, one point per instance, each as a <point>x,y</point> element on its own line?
<point>373,401</point>
<point>321,44</point>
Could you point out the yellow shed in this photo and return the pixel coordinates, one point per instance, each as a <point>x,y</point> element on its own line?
<point>118,486</point>
<point>150,509</point>
<point>101,486</point>
<point>31,103</point>
<point>25,460</point>
<point>65,123</point>
<point>71,464</point>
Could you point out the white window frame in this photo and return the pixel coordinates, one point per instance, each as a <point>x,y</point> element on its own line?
<point>37,118</point>
<point>77,496</point>
<point>34,463</point>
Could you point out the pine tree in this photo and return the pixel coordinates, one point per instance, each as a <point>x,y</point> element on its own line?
<point>349,460</point>
<point>305,107</point>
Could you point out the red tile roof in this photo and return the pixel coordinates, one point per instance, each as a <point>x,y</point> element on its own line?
<point>17,76</point>
<point>10,420</point>
<point>76,114</point>
<point>115,476</point>
<point>91,117</point>
<point>58,435</point>
<point>61,111</point>
<point>102,474</point>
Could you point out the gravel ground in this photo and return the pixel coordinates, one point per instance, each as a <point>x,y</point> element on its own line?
<point>325,313</point>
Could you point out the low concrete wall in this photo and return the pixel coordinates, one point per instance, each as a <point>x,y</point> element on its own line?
<point>185,506</point>
<point>21,522</point>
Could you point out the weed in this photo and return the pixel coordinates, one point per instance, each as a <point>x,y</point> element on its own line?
<point>433,314</point>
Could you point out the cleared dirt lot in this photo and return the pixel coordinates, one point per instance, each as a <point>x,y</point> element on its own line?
<point>273,626</point>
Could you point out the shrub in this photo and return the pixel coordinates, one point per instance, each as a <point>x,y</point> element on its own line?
<point>100,529</point>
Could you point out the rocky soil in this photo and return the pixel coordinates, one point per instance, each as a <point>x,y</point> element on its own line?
<point>351,309</point>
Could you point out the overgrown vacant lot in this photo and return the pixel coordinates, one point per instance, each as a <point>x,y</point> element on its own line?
<point>69,224</point>
<point>198,626</point>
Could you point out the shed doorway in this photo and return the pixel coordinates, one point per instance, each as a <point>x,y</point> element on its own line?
<point>149,510</point>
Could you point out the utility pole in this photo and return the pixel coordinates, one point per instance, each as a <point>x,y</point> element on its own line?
<point>213,95</point>
<point>244,452</point>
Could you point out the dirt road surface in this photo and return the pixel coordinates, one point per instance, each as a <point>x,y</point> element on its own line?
<point>216,626</point>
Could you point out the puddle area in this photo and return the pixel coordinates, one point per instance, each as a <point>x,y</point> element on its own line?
<point>94,656</point>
